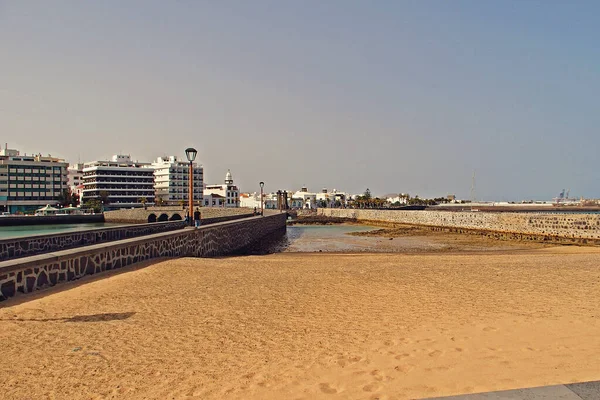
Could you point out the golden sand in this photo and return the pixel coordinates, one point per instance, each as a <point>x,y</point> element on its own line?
<point>309,326</point>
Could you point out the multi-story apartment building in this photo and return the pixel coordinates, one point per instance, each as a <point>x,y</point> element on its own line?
<point>75,175</point>
<point>227,195</point>
<point>171,183</point>
<point>121,181</point>
<point>28,182</point>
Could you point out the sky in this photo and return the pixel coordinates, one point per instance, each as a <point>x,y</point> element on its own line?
<point>394,96</point>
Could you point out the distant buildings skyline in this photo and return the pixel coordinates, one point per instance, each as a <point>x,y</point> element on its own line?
<point>170,184</point>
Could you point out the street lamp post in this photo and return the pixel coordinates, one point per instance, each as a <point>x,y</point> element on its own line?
<point>262,184</point>
<point>191,153</point>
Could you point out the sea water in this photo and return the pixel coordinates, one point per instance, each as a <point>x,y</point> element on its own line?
<point>7,232</point>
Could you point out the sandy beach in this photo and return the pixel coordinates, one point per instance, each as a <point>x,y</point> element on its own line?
<point>309,326</point>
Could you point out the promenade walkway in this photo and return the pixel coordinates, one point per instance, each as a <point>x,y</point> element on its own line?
<point>575,391</point>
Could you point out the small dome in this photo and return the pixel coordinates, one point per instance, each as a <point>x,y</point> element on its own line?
<point>228,177</point>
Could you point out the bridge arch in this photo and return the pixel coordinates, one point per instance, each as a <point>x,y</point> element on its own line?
<point>152,218</point>
<point>163,218</point>
<point>175,217</point>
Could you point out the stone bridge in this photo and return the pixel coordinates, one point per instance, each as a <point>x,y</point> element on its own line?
<point>27,274</point>
<point>163,214</point>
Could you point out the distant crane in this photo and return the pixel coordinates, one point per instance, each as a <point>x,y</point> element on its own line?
<point>473,188</point>
<point>562,197</point>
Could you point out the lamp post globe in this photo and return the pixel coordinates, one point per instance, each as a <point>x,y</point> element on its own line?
<point>191,154</point>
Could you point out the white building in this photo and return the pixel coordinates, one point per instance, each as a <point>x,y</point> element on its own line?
<point>226,195</point>
<point>214,200</point>
<point>304,199</point>
<point>75,175</point>
<point>402,198</point>
<point>331,199</point>
<point>123,182</point>
<point>171,183</point>
<point>29,182</point>
<point>252,200</point>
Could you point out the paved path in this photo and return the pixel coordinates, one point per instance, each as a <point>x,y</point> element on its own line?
<point>575,391</point>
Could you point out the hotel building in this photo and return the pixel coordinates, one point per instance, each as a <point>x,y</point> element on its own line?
<point>171,184</point>
<point>123,182</point>
<point>28,182</point>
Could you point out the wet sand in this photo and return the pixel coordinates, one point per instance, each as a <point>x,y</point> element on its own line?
<point>310,326</point>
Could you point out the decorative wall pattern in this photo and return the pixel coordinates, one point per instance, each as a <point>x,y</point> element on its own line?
<point>29,246</point>
<point>562,225</point>
<point>31,273</point>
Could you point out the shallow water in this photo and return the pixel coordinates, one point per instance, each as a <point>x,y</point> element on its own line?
<point>7,232</point>
<point>330,238</point>
<point>335,239</point>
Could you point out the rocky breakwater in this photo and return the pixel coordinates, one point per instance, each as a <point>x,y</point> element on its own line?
<point>557,227</point>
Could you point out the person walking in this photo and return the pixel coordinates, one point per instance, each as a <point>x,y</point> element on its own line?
<point>197,216</point>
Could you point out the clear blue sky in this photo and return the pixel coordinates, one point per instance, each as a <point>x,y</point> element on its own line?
<point>397,96</point>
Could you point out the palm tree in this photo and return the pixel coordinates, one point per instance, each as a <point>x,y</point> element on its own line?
<point>104,197</point>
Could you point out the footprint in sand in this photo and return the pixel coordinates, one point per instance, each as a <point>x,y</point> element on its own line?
<point>326,388</point>
<point>343,360</point>
<point>404,368</point>
<point>372,387</point>
<point>402,356</point>
<point>377,375</point>
<point>490,329</point>
<point>435,353</point>
<point>426,341</point>
<point>460,350</point>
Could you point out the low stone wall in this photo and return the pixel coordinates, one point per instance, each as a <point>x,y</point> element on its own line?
<point>31,273</point>
<point>32,245</point>
<point>214,220</point>
<point>567,225</point>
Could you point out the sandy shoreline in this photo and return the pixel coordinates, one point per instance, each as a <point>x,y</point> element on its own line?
<point>306,326</point>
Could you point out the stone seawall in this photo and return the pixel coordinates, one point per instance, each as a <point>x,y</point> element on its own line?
<point>28,274</point>
<point>32,245</point>
<point>578,227</point>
